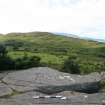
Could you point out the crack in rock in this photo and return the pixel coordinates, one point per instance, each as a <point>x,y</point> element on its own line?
<point>5,90</point>
<point>82,88</point>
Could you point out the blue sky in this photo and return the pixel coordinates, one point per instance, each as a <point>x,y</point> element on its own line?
<point>80,17</point>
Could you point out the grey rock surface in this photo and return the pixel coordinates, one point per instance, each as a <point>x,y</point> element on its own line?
<point>72,99</point>
<point>21,86</point>
<point>5,90</point>
<point>31,79</point>
<point>3,74</point>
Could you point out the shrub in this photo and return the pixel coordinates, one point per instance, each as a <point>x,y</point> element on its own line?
<point>27,62</point>
<point>6,63</point>
<point>102,84</point>
<point>3,50</point>
<point>71,65</point>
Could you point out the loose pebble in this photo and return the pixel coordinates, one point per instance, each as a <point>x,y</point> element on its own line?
<point>36,97</point>
<point>72,79</point>
<point>61,77</point>
<point>67,77</point>
<point>103,101</point>
<point>63,98</point>
<point>47,96</point>
<point>58,96</point>
<point>85,96</point>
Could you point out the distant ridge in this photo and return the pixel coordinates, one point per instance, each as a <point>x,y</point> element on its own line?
<point>67,34</point>
<point>80,37</point>
<point>54,33</point>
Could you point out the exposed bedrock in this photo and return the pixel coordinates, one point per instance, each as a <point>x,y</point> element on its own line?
<point>19,87</point>
<point>47,80</point>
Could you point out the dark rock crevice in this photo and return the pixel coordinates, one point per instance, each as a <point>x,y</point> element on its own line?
<point>89,87</point>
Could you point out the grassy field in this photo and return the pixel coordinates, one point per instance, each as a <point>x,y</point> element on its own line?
<point>55,49</point>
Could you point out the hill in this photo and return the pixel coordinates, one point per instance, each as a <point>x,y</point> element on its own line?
<point>55,49</point>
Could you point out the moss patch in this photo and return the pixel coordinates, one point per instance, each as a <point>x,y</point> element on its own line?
<point>102,84</point>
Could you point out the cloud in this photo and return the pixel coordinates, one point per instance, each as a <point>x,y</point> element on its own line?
<point>81,17</point>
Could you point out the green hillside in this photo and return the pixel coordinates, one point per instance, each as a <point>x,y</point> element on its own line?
<point>55,49</point>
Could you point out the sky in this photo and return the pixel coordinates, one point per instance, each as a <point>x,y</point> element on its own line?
<point>85,18</point>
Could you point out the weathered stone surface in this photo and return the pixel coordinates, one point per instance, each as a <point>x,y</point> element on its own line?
<point>3,74</point>
<point>4,90</point>
<point>72,99</point>
<point>25,84</point>
<point>55,81</point>
<point>46,75</point>
<point>35,77</point>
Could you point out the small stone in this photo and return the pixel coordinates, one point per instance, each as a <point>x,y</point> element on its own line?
<point>47,96</point>
<point>36,97</point>
<point>103,101</point>
<point>67,76</point>
<point>63,98</point>
<point>58,96</point>
<point>72,79</point>
<point>61,77</point>
<point>85,96</point>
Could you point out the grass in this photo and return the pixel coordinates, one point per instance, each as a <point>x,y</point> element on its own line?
<point>46,59</point>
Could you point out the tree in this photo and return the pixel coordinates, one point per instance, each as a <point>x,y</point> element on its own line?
<point>3,50</point>
<point>6,62</point>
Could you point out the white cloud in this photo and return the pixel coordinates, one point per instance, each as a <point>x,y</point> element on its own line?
<point>84,17</point>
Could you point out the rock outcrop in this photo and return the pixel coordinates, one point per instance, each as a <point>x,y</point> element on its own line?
<point>19,87</point>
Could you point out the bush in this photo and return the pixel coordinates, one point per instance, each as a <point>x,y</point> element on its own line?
<point>3,50</point>
<point>6,63</point>
<point>27,62</point>
<point>71,65</point>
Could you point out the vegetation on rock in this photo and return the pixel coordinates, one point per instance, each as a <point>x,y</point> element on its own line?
<point>102,84</point>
